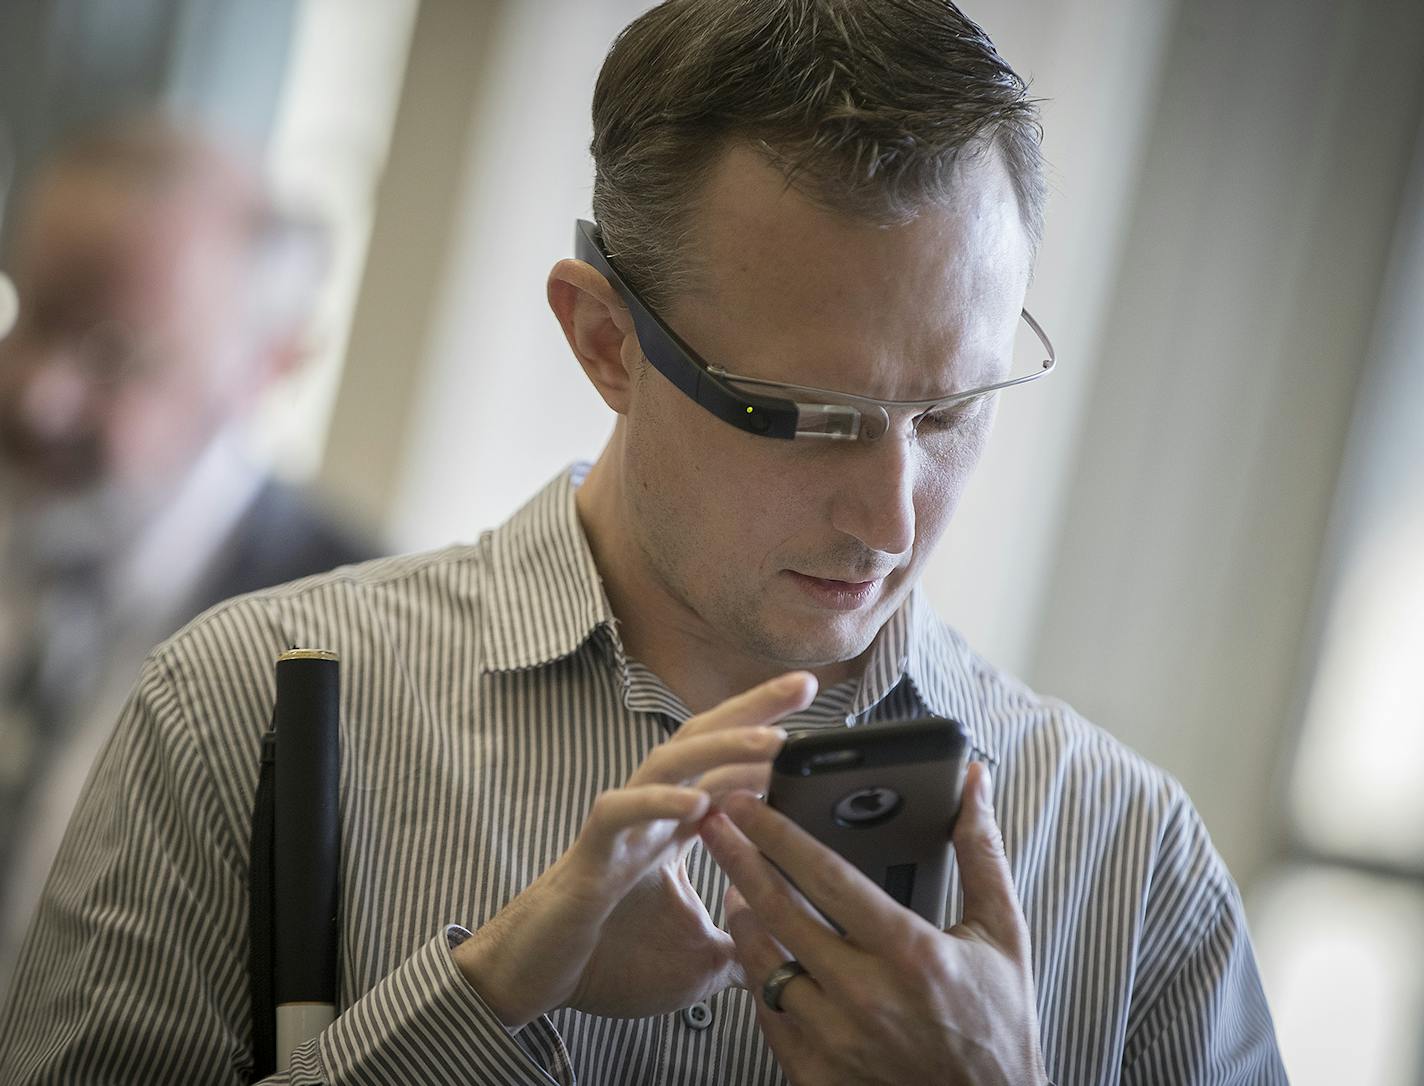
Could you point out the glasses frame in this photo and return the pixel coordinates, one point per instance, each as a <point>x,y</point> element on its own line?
<point>767,416</point>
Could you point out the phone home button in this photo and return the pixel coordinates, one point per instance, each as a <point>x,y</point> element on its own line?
<point>697,1016</point>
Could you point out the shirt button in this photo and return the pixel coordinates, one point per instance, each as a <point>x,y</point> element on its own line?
<point>697,1016</point>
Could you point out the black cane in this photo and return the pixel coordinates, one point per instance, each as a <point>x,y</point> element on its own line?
<point>303,821</point>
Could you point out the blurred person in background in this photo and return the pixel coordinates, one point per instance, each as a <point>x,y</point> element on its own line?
<point>161,295</point>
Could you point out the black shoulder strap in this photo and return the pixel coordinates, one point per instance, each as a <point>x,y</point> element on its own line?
<point>259,916</point>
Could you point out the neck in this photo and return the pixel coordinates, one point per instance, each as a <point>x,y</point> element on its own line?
<point>657,628</point>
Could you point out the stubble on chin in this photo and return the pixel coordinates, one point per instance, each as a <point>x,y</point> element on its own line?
<point>789,638</point>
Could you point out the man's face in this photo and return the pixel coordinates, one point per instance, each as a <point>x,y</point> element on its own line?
<point>745,532</point>
<point>123,361</point>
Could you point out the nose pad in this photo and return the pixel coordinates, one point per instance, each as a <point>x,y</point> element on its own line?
<point>873,423</point>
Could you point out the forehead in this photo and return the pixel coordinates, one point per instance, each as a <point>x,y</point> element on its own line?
<point>786,289</point>
<point>89,244</point>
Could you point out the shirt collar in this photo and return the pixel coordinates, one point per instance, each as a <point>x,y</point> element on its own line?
<point>948,676</point>
<point>545,600</point>
<point>543,594</point>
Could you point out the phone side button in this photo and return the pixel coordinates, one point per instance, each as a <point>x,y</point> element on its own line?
<point>697,1016</point>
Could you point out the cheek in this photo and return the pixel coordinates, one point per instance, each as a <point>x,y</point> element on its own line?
<point>665,464</point>
<point>150,433</point>
<point>780,516</point>
<point>941,484</point>
<point>718,496</point>
<point>936,497</point>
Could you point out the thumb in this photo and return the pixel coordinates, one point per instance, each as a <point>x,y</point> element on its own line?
<point>991,904</point>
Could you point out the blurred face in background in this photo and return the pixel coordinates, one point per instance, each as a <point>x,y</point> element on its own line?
<point>129,352</point>
<point>751,535</point>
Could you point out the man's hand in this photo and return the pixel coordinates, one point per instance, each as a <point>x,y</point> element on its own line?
<point>894,1000</point>
<point>615,927</point>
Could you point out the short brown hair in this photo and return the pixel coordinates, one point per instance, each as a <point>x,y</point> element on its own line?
<point>866,106</point>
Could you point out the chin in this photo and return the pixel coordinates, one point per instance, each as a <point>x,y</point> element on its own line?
<point>828,641</point>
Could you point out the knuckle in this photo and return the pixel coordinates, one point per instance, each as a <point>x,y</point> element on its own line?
<point>929,971</point>
<point>754,741</point>
<point>923,942</point>
<point>914,941</point>
<point>988,843</point>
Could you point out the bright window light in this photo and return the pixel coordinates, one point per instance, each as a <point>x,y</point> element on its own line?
<point>1339,954</point>
<point>1358,787</point>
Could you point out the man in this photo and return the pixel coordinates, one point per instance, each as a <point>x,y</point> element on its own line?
<point>552,737</point>
<point>161,296</point>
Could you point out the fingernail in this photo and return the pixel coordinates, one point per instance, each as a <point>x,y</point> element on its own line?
<point>779,732</point>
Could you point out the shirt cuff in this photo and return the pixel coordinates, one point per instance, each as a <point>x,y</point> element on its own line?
<point>426,1023</point>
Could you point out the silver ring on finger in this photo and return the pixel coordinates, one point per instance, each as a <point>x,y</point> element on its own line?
<point>775,984</point>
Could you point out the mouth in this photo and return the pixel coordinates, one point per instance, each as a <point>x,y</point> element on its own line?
<point>836,594</point>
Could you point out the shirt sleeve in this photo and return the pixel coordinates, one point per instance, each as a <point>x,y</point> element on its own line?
<point>1198,1014</point>
<point>135,967</point>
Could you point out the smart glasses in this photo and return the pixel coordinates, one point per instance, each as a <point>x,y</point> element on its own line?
<point>753,404</point>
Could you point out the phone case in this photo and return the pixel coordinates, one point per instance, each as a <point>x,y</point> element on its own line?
<point>885,797</point>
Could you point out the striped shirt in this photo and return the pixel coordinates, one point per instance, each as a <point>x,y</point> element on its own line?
<point>486,701</point>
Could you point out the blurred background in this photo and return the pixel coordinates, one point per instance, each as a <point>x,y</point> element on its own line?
<point>1206,531</point>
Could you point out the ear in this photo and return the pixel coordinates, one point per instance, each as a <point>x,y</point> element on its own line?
<point>598,327</point>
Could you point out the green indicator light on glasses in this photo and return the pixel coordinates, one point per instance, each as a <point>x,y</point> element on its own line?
<point>750,410</point>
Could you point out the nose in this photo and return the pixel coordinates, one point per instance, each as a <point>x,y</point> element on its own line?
<point>875,495</point>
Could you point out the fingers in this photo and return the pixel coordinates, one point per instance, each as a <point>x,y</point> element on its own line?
<point>869,917</point>
<point>782,910</point>
<point>760,955</point>
<point>761,705</point>
<point>991,904</point>
<point>687,758</point>
<point>719,783</point>
<point>808,1015</point>
<point>739,731</point>
<point>622,809</point>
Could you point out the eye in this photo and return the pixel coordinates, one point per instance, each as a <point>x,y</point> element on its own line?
<point>938,421</point>
<point>955,418</point>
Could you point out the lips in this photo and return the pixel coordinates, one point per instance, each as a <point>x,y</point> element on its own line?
<point>835,594</point>
<point>840,585</point>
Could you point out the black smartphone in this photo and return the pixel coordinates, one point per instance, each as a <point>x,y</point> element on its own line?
<point>885,797</point>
